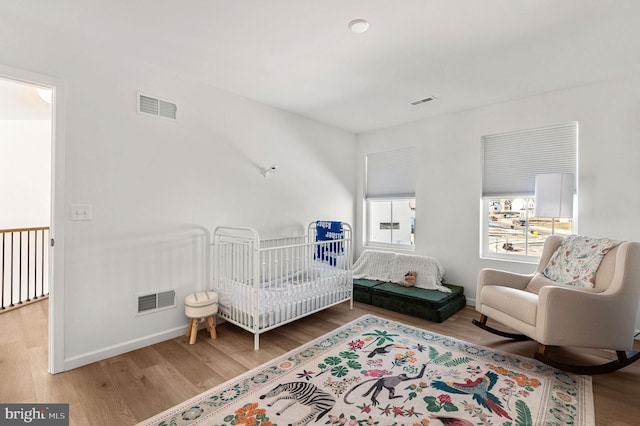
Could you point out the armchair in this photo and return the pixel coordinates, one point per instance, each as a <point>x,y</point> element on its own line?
<point>555,314</point>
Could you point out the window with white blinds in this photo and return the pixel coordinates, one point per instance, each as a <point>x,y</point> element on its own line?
<point>391,174</point>
<point>512,160</point>
<point>390,198</point>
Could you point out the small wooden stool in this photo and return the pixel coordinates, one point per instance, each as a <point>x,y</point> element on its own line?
<point>199,305</point>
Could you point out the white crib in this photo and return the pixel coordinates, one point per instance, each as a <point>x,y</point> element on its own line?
<point>263,284</point>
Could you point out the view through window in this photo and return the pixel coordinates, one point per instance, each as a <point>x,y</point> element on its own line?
<point>391,221</point>
<point>513,229</point>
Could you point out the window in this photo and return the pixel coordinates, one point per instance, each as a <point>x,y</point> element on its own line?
<point>511,162</point>
<point>390,197</point>
<point>391,221</point>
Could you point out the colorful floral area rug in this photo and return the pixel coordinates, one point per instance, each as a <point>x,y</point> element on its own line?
<point>374,371</point>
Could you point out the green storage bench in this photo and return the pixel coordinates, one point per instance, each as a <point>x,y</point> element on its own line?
<point>432,305</point>
<point>363,290</point>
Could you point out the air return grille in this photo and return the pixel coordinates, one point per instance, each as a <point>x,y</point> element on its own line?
<point>152,302</point>
<point>424,101</point>
<point>150,105</point>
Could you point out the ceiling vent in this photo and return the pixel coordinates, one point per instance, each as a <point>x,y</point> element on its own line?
<point>424,101</point>
<point>153,302</point>
<point>149,105</point>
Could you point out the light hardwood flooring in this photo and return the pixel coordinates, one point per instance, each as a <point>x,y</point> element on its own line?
<point>129,388</point>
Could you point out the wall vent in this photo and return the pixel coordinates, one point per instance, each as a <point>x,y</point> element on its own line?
<point>153,302</point>
<point>424,101</point>
<point>150,105</point>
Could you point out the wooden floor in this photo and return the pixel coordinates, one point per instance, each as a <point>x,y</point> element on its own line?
<point>129,388</point>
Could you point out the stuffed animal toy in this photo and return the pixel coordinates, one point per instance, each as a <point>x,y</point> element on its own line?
<point>410,278</point>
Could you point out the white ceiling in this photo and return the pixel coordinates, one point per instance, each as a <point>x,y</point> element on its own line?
<point>298,55</point>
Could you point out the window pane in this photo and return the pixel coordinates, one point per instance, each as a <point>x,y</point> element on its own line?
<point>392,221</point>
<point>403,212</point>
<point>507,226</point>
<point>513,229</point>
<point>379,218</point>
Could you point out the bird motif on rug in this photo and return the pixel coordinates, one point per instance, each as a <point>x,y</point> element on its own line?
<point>383,350</point>
<point>478,389</point>
<point>451,421</point>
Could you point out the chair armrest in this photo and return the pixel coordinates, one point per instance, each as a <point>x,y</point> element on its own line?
<point>490,276</point>
<point>572,317</point>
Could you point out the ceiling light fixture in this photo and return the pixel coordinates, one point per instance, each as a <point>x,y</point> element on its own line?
<point>358,26</point>
<point>45,94</point>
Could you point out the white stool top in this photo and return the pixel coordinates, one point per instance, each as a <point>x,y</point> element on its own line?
<point>201,304</point>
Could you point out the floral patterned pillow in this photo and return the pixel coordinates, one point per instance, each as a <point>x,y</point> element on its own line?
<point>577,259</point>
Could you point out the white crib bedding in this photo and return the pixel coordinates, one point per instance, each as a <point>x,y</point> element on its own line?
<point>286,297</point>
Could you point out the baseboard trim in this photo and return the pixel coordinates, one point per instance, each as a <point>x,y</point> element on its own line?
<point>131,345</point>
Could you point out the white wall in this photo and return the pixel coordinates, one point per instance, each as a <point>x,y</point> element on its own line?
<point>449,169</point>
<point>25,173</point>
<point>25,157</point>
<point>158,188</point>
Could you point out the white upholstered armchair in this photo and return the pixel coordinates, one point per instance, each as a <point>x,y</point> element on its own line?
<point>602,316</point>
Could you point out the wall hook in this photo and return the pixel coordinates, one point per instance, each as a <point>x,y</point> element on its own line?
<point>265,172</point>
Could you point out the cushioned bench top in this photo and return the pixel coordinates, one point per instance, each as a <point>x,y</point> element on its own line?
<point>361,282</point>
<point>421,294</point>
<point>427,297</point>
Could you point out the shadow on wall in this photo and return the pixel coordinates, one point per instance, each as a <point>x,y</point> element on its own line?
<point>133,262</point>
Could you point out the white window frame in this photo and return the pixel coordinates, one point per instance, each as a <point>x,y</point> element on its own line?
<point>378,244</point>
<point>546,161</point>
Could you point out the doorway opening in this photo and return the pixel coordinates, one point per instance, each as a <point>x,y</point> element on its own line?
<point>27,169</point>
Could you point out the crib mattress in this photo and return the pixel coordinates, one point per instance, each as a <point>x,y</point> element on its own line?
<point>289,299</point>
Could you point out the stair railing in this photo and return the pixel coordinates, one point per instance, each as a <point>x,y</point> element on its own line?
<point>24,263</point>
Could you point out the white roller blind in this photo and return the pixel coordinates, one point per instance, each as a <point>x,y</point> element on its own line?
<point>512,160</point>
<point>391,174</point>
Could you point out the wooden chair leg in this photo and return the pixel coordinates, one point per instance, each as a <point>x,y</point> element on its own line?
<point>624,359</point>
<point>483,325</point>
<point>542,350</point>
<point>211,326</point>
<point>193,330</point>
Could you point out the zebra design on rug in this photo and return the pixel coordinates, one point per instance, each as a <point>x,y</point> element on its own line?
<point>306,394</point>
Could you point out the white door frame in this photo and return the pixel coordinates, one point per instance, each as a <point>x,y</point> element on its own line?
<point>56,231</point>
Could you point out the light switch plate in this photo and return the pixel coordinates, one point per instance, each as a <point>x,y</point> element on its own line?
<point>81,212</point>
